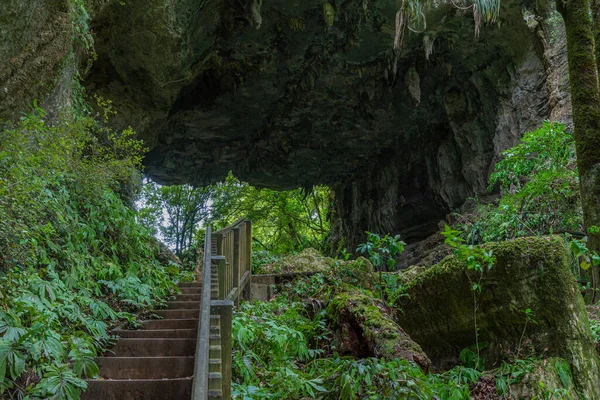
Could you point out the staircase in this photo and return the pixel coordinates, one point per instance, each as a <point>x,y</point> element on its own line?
<point>188,353</point>
<point>156,362</point>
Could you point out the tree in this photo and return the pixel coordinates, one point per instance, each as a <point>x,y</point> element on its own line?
<point>175,213</point>
<point>583,54</point>
<point>582,24</point>
<point>283,221</point>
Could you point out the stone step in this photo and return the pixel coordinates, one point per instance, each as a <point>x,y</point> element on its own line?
<point>146,367</point>
<point>189,297</point>
<point>143,389</point>
<point>154,324</point>
<point>148,347</point>
<point>191,290</point>
<point>181,305</point>
<point>178,314</point>
<point>158,333</point>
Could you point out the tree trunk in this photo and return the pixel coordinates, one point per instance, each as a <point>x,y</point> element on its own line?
<point>585,98</point>
<point>595,5</point>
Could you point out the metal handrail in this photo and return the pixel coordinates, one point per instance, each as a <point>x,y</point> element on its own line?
<point>201,362</point>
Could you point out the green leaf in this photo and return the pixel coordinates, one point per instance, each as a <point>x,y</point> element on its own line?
<point>564,372</point>
<point>584,265</point>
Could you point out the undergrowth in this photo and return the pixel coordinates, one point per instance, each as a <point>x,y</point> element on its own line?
<point>283,349</point>
<point>74,261</point>
<point>540,190</point>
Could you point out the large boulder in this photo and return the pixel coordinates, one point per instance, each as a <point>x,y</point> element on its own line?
<point>364,327</point>
<point>442,313</point>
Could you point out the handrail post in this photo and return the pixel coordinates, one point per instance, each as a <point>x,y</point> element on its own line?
<point>248,260</point>
<point>224,308</point>
<point>221,271</point>
<point>236,260</point>
<point>219,238</point>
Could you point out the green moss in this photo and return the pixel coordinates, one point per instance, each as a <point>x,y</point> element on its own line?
<point>356,309</point>
<point>357,272</point>
<point>308,260</point>
<point>529,273</point>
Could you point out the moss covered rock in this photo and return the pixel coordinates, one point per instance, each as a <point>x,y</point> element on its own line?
<point>308,260</point>
<point>441,314</point>
<point>357,272</point>
<point>365,327</point>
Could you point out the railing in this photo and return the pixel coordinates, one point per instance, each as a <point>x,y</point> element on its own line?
<point>201,364</point>
<point>233,259</point>
<point>235,268</point>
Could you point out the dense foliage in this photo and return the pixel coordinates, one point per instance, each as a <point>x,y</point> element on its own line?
<point>540,188</point>
<point>282,350</point>
<point>282,221</point>
<point>73,260</point>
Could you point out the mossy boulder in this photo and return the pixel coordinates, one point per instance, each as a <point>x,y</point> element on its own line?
<point>357,272</point>
<point>442,312</point>
<point>364,327</point>
<point>308,260</point>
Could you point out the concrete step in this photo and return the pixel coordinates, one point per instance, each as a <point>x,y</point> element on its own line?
<point>189,297</point>
<point>158,333</point>
<point>183,305</point>
<point>146,367</point>
<point>148,347</point>
<point>191,290</point>
<point>146,389</point>
<point>170,324</point>
<point>178,314</point>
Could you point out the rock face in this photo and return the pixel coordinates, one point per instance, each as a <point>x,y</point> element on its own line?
<point>287,95</point>
<point>529,273</point>
<point>36,39</point>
